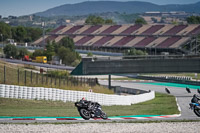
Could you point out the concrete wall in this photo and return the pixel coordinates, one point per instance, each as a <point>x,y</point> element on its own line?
<point>40,93</point>
<point>141,66</point>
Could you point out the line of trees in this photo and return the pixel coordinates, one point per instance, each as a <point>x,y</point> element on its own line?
<point>96,20</point>
<point>20,34</point>
<point>193,20</point>
<point>11,51</point>
<point>64,49</point>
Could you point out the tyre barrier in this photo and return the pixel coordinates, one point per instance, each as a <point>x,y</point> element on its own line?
<point>40,93</point>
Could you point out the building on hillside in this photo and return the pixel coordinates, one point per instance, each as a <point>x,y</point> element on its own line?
<point>154,39</point>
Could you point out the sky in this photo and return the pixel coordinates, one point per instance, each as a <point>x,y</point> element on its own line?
<point>26,7</point>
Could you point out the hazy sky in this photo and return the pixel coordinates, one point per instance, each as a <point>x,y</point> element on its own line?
<point>25,7</point>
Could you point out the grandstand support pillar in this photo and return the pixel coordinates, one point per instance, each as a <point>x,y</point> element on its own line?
<point>196,45</point>
<point>109,81</point>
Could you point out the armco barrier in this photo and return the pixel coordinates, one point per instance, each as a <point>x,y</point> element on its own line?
<point>40,93</point>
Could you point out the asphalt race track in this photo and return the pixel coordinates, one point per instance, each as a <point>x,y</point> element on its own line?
<point>183,97</point>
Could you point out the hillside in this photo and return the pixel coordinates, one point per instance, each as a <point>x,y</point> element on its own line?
<point>91,7</point>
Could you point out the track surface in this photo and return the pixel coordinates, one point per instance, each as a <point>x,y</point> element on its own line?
<point>183,99</point>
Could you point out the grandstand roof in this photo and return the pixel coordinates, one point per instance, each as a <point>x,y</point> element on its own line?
<point>138,36</point>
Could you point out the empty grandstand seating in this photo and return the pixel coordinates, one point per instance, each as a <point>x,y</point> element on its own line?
<point>84,40</point>
<point>131,29</point>
<point>73,29</point>
<point>112,41</point>
<point>145,42</point>
<point>57,29</point>
<point>168,42</point>
<point>125,36</point>
<point>175,30</point>
<point>103,40</point>
<point>152,29</point>
<point>124,41</point>
<point>91,29</point>
<point>111,29</point>
<point>195,31</point>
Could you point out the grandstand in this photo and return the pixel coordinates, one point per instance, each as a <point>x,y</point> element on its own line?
<point>162,38</point>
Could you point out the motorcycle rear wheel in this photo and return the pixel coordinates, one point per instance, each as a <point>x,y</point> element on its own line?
<point>85,114</point>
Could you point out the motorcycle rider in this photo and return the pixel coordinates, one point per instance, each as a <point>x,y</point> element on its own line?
<point>90,104</point>
<point>195,99</point>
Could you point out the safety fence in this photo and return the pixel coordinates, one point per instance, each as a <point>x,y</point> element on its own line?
<point>40,93</point>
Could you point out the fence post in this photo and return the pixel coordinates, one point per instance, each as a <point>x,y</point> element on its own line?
<point>47,76</point>
<point>25,77</point>
<point>81,81</point>
<point>31,76</point>
<point>51,80</point>
<point>37,78</point>
<point>42,78</point>
<point>18,76</point>
<point>67,80</point>
<point>55,80</point>
<point>64,81</point>
<point>4,74</point>
<point>59,81</point>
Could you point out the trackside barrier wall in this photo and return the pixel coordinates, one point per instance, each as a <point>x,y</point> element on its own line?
<point>40,93</point>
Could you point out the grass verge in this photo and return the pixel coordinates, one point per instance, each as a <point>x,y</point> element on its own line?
<point>163,104</point>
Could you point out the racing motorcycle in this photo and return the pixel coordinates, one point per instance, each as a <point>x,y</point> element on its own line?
<point>195,105</point>
<point>86,111</point>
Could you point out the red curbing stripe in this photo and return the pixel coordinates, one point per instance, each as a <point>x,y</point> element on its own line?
<point>149,117</point>
<point>128,118</point>
<point>164,116</point>
<point>66,119</point>
<point>97,118</point>
<point>23,119</point>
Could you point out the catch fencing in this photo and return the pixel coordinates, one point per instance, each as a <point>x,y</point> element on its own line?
<point>40,93</point>
<point>24,76</point>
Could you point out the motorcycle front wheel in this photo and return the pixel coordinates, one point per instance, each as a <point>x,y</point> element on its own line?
<point>104,116</point>
<point>85,114</point>
<point>197,112</point>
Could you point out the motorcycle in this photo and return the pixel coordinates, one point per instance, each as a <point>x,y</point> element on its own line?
<point>86,112</point>
<point>195,106</point>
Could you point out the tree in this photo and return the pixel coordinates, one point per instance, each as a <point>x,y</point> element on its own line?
<point>5,30</point>
<point>22,52</point>
<point>89,54</point>
<point>140,21</point>
<point>109,21</point>
<point>20,34</point>
<point>49,51</point>
<point>193,20</point>
<point>67,42</point>
<point>96,20</point>
<point>33,33</point>
<point>10,51</point>
<point>38,52</point>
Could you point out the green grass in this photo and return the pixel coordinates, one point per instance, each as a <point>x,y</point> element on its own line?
<point>162,105</point>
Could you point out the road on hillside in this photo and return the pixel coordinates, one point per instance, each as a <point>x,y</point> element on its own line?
<point>183,97</point>
<point>38,64</point>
